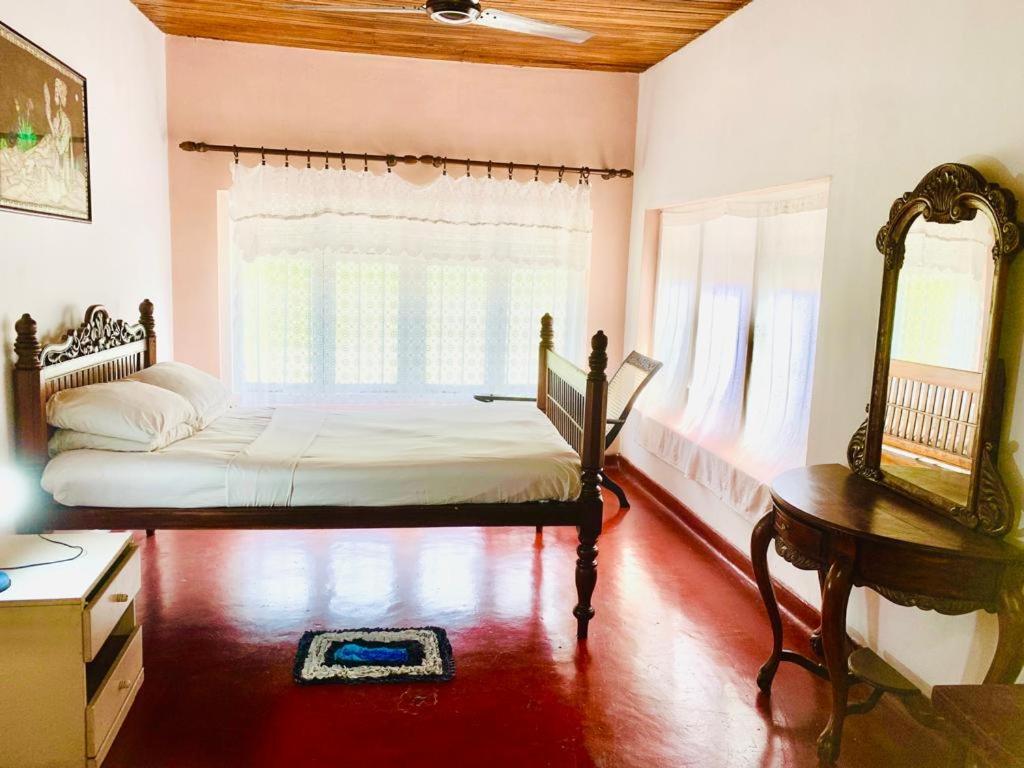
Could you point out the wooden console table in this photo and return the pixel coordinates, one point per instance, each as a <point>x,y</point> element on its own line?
<point>857,533</point>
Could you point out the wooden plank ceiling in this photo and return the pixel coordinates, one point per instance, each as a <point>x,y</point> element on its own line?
<point>628,36</point>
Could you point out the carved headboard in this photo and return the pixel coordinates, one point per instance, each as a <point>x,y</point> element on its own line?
<point>100,349</point>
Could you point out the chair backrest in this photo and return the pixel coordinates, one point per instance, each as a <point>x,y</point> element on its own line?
<point>624,388</point>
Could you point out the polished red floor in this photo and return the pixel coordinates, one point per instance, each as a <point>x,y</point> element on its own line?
<point>666,678</point>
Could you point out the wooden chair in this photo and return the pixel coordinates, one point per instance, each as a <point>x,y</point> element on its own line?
<point>623,390</point>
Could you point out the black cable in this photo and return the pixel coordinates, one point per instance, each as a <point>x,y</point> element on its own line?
<point>78,554</point>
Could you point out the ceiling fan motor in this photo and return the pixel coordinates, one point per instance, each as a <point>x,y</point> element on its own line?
<point>453,11</point>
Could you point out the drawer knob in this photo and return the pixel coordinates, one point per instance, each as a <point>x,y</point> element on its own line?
<point>123,685</point>
<point>119,597</point>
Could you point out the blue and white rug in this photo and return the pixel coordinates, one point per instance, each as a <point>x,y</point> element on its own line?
<point>414,654</point>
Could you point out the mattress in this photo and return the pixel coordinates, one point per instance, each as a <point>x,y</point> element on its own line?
<point>388,456</point>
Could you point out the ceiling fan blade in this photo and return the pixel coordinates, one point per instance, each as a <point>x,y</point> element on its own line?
<point>511,22</point>
<point>346,9</point>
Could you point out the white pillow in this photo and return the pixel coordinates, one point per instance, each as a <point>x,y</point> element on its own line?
<point>206,394</point>
<point>127,410</point>
<point>70,440</point>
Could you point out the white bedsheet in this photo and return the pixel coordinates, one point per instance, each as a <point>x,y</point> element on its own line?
<point>497,452</point>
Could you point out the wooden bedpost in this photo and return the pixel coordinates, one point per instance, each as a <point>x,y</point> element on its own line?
<point>547,343</point>
<point>29,410</point>
<point>592,461</point>
<point>146,321</point>
<point>30,431</point>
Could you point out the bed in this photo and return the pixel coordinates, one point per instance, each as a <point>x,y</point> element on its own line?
<point>475,465</point>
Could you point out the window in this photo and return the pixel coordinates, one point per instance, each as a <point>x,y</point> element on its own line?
<point>349,285</point>
<point>736,314</point>
<point>949,267</point>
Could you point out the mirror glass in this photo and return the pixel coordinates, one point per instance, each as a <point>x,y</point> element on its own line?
<point>940,333</point>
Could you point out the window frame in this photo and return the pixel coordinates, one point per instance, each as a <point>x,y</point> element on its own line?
<point>670,416</point>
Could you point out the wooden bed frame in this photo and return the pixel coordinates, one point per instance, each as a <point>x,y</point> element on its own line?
<point>106,349</point>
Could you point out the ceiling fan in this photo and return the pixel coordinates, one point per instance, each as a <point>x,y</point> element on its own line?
<point>459,12</point>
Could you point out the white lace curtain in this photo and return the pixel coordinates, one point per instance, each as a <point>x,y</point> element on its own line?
<point>352,285</point>
<point>736,313</point>
<point>942,301</point>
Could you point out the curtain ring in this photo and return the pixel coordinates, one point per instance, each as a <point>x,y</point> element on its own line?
<point>343,166</point>
<point>234,151</point>
<point>366,163</point>
<point>511,166</point>
<point>327,160</point>
<point>561,173</point>
<point>536,172</point>
<point>585,176</point>
<point>489,164</point>
<point>467,167</point>
<point>307,158</point>
<point>444,166</point>
<point>286,163</point>
<point>263,156</point>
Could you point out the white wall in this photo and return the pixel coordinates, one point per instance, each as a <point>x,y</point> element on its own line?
<point>53,268</point>
<point>873,94</point>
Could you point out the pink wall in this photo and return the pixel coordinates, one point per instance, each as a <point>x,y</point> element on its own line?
<point>234,93</point>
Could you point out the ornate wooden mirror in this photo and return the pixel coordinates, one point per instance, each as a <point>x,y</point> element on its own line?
<point>933,422</point>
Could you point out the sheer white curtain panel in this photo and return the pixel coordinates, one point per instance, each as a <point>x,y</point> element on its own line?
<point>352,286</point>
<point>948,266</point>
<point>736,315</point>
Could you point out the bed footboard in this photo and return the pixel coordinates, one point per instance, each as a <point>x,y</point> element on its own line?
<point>576,403</point>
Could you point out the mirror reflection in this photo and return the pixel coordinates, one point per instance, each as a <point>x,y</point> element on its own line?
<point>940,332</point>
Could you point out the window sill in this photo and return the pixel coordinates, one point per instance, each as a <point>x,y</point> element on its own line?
<point>731,474</point>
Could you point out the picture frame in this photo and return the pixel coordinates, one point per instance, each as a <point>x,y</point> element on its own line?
<point>44,132</point>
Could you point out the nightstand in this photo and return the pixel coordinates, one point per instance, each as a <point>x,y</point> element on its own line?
<point>70,649</point>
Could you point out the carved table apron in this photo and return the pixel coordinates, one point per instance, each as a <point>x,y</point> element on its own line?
<point>856,533</point>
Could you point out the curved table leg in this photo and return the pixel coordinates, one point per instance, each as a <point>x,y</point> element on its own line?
<point>816,634</point>
<point>1009,656</point>
<point>760,540</point>
<point>835,598</point>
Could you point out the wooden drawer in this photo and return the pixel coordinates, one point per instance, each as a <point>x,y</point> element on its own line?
<point>800,544</point>
<point>109,602</point>
<point>114,696</point>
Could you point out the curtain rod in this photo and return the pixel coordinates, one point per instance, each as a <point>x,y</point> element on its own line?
<point>392,160</point>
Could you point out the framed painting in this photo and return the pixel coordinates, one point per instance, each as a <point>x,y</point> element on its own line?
<point>44,133</point>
